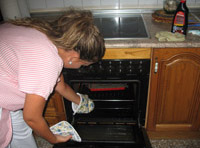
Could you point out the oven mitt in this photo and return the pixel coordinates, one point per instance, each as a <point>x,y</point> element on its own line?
<point>64,128</point>
<point>86,105</point>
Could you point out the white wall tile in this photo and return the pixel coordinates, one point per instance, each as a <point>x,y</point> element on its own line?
<point>110,4</point>
<point>198,3</point>
<point>73,3</point>
<point>37,4</point>
<point>148,3</point>
<point>24,8</point>
<point>102,4</point>
<point>128,3</point>
<point>91,4</point>
<point>55,3</point>
<point>191,3</point>
<point>160,2</point>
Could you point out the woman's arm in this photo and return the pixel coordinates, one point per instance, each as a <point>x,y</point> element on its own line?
<point>66,91</point>
<point>32,113</point>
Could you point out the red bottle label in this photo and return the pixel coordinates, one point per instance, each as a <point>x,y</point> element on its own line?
<point>179,19</point>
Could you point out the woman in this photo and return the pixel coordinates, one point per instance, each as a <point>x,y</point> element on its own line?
<point>32,55</point>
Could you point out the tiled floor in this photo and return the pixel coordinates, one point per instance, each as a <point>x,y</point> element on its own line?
<point>175,143</point>
<point>42,143</point>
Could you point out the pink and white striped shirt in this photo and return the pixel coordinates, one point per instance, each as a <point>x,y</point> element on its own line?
<point>29,63</point>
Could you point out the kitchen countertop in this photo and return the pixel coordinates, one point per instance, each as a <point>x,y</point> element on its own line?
<point>152,42</point>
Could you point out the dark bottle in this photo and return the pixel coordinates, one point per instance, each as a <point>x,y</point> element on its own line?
<point>180,20</point>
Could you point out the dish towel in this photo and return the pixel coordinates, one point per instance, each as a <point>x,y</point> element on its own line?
<point>169,36</point>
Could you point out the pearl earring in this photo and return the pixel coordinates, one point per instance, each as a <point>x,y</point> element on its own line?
<point>70,62</point>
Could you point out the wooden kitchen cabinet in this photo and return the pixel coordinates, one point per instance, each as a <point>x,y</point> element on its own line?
<point>55,110</point>
<point>174,92</point>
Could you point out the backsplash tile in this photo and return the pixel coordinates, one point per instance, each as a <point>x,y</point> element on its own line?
<point>148,3</point>
<point>192,3</point>
<point>160,2</point>
<point>91,4</point>
<point>55,4</point>
<point>39,5</point>
<point>128,3</point>
<point>111,4</point>
<point>198,3</point>
<point>73,3</point>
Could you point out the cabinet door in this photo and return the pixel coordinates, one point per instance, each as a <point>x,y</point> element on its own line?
<point>55,110</point>
<point>174,97</point>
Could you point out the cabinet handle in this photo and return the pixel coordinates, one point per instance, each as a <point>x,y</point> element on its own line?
<point>156,65</point>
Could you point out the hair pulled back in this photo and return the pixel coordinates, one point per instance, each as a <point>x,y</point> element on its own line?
<point>73,30</point>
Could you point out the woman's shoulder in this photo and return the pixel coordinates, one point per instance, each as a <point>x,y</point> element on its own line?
<point>14,33</point>
<point>21,36</point>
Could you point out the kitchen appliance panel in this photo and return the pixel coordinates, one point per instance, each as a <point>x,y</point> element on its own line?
<point>120,104</point>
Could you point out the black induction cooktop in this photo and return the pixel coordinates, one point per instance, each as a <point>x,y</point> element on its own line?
<point>121,26</point>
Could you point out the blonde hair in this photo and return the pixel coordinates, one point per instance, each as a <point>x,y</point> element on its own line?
<point>74,30</point>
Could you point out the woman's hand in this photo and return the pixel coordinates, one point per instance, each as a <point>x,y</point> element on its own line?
<point>60,139</point>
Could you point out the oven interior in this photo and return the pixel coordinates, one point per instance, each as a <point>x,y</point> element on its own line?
<point>120,105</point>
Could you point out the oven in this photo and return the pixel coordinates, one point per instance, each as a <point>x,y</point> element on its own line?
<point>119,91</point>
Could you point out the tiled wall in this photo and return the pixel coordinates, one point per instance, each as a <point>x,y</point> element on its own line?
<point>50,5</point>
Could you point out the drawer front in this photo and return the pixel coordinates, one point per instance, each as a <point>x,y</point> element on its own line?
<point>128,53</point>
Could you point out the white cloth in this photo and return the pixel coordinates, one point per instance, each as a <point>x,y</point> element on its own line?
<point>22,133</point>
<point>169,36</point>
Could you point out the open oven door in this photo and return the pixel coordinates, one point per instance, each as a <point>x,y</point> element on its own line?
<point>114,123</point>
